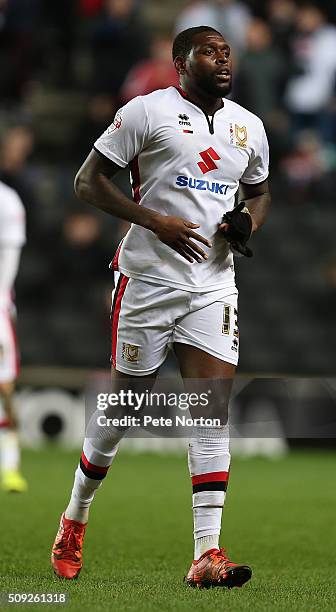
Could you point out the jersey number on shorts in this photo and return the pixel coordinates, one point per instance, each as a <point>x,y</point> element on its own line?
<point>227,319</point>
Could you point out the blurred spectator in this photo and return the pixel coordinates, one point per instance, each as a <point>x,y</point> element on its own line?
<point>281,18</point>
<point>259,83</point>
<point>311,90</point>
<point>100,113</point>
<point>195,13</point>
<point>230,17</point>
<point>261,72</point>
<point>81,252</point>
<point>89,8</point>
<point>3,8</point>
<point>233,20</point>
<point>80,260</point>
<point>119,40</point>
<point>157,72</point>
<point>56,36</point>
<point>16,146</point>
<point>18,29</point>
<point>309,169</point>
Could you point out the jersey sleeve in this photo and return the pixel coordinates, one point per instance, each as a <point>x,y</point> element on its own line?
<point>127,135</point>
<point>258,168</point>
<point>12,221</point>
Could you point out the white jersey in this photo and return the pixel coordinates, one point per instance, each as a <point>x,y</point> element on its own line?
<point>12,218</point>
<point>12,237</point>
<point>184,164</point>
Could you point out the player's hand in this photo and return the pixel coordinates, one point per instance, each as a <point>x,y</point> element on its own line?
<point>177,233</point>
<point>237,229</point>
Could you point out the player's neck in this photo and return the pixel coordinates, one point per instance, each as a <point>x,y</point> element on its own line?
<point>209,104</point>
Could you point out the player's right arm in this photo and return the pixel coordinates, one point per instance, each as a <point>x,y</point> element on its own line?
<point>93,184</point>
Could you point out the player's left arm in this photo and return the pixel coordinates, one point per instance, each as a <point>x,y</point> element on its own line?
<point>251,212</point>
<point>254,189</point>
<point>257,200</point>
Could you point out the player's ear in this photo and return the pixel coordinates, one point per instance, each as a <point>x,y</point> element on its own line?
<point>179,64</point>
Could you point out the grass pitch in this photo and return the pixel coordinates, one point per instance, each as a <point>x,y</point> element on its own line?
<point>279,517</point>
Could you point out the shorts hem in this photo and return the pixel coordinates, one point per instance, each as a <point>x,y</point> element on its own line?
<point>11,377</point>
<point>124,370</point>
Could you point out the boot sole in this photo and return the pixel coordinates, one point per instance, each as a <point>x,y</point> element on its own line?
<point>235,577</point>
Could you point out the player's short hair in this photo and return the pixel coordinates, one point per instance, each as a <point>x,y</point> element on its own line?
<point>183,42</point>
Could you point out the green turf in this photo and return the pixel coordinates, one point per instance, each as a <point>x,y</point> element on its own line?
<point>279,517</point>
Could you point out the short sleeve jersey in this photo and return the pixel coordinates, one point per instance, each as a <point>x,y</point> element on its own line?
<point>186,164</point>
<point>12,218</point>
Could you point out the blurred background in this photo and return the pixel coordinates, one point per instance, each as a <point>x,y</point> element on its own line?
<point>66,67</point>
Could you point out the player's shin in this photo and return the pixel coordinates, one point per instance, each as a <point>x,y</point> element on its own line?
<point>99,449</point>
<point>209,463</point>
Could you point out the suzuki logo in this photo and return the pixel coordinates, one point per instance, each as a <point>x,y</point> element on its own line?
<point>208,157</point>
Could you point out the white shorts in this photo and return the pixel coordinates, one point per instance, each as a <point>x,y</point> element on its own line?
<point>9,362</point>
<point>148,318</point>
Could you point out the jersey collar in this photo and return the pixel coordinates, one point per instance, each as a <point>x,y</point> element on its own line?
<point>209,121</point>
<point>185,96</point>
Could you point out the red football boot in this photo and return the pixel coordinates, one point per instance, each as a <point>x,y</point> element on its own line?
<point>66,554</point>
<point>213,569</point>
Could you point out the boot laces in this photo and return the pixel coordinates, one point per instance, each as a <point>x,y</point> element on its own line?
<point>223,559</point>
<point>70,543</point>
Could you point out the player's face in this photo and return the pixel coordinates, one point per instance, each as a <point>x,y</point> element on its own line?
<point>209,64</point>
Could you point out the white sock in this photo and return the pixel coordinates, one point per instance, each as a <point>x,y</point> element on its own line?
<point>99,449</point>
<point>204,544</point>
<point>81,497</point>
<point>9,450</point>
<point>209,463</point>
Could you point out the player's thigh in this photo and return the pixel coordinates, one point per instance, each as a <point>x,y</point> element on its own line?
<point>207,377</point>
<point>206,346</point>
<point>125,382</point>
<point>197,363</point>
<point>142,327</point>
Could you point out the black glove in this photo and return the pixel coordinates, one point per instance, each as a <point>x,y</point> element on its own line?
<point>239,230</point>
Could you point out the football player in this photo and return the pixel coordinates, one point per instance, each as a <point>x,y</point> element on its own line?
<point>189,150</point>
<point>12,238</point>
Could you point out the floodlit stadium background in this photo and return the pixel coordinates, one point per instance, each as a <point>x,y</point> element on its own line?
<point>66,67</point>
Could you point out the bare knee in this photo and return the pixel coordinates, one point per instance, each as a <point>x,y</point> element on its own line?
<point>6,389</point>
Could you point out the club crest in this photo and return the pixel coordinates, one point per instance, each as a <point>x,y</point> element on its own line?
<point>130,352</point>
<point>238,135</point>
